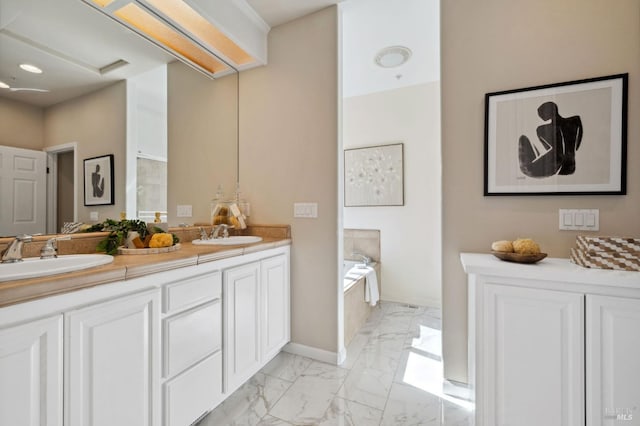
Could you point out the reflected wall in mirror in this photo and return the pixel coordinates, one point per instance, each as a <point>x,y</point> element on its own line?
<point>203,130</point>
<point>88,110</point>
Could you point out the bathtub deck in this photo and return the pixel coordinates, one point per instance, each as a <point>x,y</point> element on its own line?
<point>356,310</point>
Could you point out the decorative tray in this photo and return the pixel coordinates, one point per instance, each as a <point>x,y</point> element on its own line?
<point>519,258</point>
<point>122,250</point>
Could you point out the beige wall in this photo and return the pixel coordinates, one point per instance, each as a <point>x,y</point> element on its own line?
<point>21,125</point>
<point>201,120</point>
<point>97,122</point>
<point>288,153</point>
<point>410,234</point>
<point>495,45</point>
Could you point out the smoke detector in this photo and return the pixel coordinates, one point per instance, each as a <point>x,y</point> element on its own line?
<point>392,56</point>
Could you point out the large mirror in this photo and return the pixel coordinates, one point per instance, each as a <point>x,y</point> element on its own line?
<point>104,91</point>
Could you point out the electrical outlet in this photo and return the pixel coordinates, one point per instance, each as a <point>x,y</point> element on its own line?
<point>93,216</point>
<point>184,210</point>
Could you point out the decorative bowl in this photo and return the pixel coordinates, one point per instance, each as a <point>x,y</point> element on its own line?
<point>519,258</point>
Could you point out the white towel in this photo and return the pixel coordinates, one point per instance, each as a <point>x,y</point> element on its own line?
<point>371,294</point>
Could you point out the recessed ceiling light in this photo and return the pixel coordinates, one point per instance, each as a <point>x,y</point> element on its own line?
<point>3,85</point>
<point>393,56</point>
<point>31,68</point>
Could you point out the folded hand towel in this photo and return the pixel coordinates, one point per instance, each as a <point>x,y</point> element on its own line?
<point>371,294</point>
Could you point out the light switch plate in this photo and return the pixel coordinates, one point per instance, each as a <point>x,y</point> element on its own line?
<point>93,216</point>
<point>306,210</point>
<point>579,219</point>
<point>184,210</point>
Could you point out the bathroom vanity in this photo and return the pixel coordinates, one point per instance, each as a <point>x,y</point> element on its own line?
<point>162,345</point>
<point>553,343</point>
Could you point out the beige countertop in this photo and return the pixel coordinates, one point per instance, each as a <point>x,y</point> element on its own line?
<point>126,267</point>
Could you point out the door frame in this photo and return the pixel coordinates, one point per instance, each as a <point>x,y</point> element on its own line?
<point>52,183</point>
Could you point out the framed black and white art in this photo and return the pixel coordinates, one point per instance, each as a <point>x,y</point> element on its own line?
<point>559,139</point>
<point>98,181</point>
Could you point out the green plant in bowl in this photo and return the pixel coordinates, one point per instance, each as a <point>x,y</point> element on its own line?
<point>118,233</point>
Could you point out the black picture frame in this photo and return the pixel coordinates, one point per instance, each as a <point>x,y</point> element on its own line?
<point>565,138</point>
<point>98,181</point>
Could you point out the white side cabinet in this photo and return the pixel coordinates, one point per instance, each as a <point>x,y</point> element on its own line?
<point>532,336</point>
<point>31,373</point>
<point>613,361</point>
<point>256,312</point>
<point>553,344</point>
<point>112,362</point>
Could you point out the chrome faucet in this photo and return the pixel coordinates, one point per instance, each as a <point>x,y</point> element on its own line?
<point>13,253</point>
<point>215,233</point>
<point>50,248</point>
<point>203,234</point>
<point>365,259</point>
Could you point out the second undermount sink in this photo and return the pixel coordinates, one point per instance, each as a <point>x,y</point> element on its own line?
<point>35,267</point>
<point>229,241</point>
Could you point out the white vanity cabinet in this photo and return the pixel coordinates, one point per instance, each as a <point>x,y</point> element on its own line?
<point>551,344</point>
<point>158,349</point>
<point>274,284</point>
<point>256,306</point>
<point>242,324</point>
<point>112,362</point>
<point>31,373</point>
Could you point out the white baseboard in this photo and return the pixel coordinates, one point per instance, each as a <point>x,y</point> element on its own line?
<point>313,353</point>
<point>457,389</point>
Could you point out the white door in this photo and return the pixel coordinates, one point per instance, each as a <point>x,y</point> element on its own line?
<point>242,324</point>
<point>23,188</point>
<point>613,361</point>
<point>532,357</point>
<point>31,373</point>
<point>112,363</point>
<point>275,306</point>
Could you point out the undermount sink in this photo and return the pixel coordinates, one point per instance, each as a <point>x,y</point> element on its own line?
<point>34,267</point>
<point>229,241</point>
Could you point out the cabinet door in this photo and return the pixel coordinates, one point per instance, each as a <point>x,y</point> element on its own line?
<point>532,357</point>
<point>275,306</point>
<point>613,361</point>
<point>112,363</point>
<point>242,324</point>
<point>31,373</point>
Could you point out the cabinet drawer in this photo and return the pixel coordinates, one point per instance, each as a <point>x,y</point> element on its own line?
<point>191,336</point>
<point>192,291</point>
<point>193,393</point>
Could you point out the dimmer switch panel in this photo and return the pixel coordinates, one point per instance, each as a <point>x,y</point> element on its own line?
<point>184,211</point>
<point>306,210</point>
<point>579,219</point>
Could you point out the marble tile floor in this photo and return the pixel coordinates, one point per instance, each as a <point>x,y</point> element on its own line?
<point>392,376</point>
